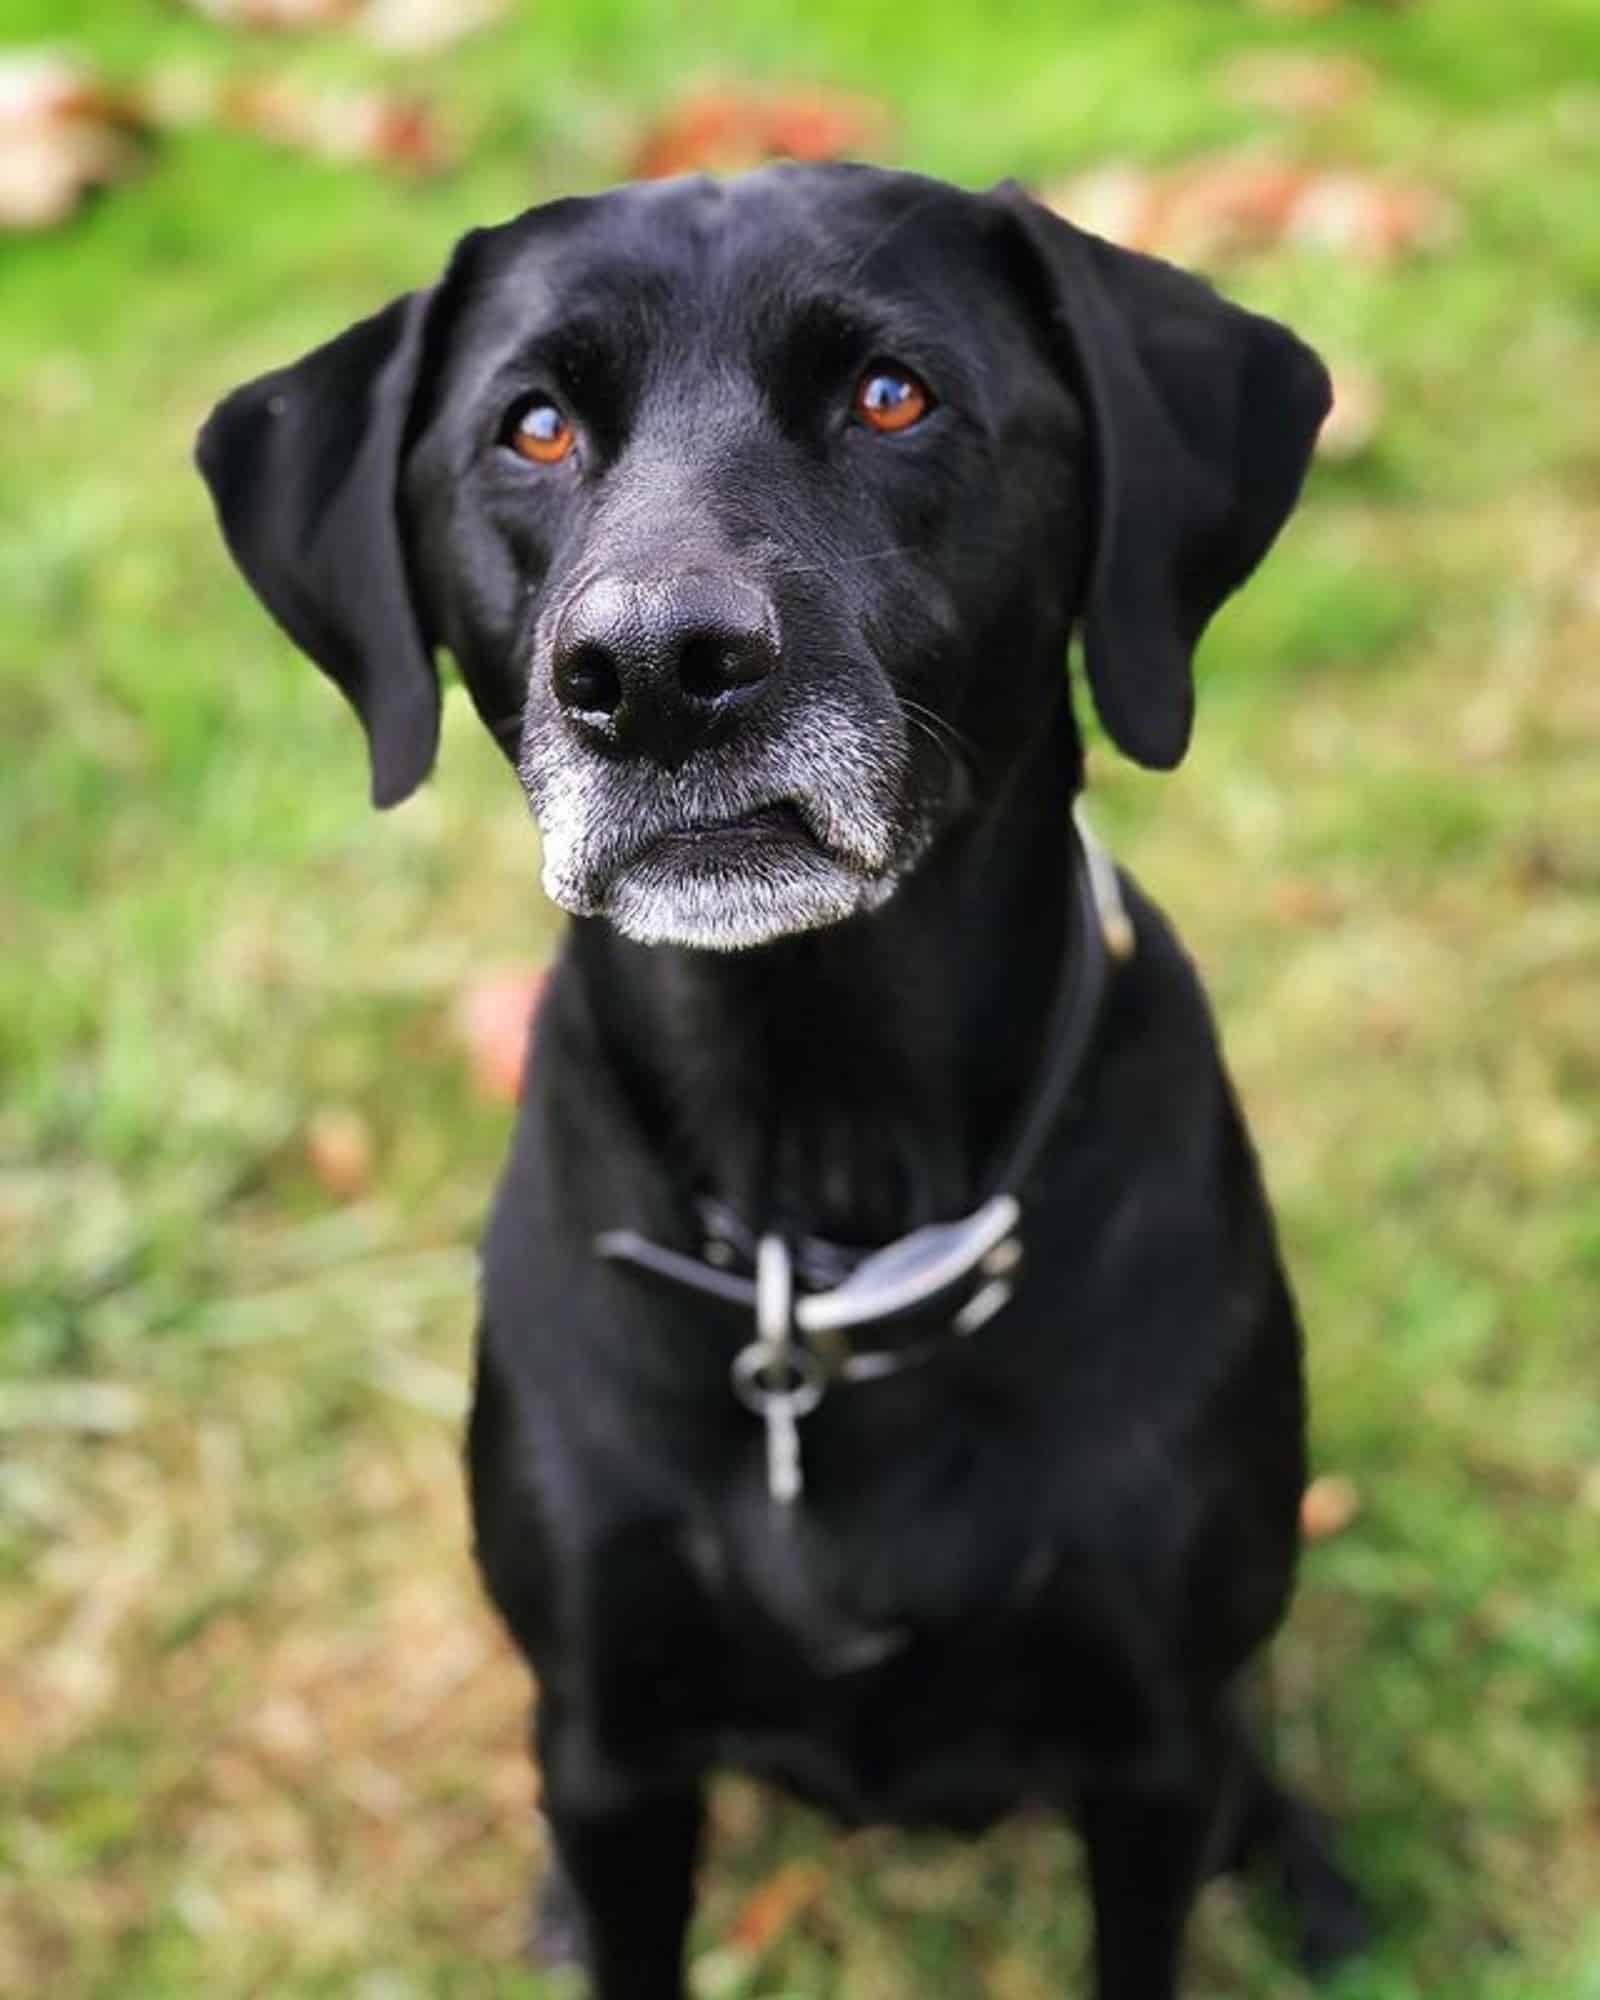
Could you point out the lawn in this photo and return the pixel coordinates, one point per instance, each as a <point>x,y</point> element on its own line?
<point>257,1734</point>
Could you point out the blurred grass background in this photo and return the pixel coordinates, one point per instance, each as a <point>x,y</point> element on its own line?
<point>257,1735</point>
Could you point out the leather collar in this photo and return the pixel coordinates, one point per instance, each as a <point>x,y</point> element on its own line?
<point>957,1274</point>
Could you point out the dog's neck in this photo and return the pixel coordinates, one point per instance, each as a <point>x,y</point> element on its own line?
<point>859,1081</point>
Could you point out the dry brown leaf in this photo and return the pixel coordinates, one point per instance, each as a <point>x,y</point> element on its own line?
<point>492,1018</point>
<point>1390,1023</point>
<point>1297,86</point>
<point>284,15</point>
<point>340,1151</point>
<point>366,128</point>
<point>1230,205</point>
<point>769,1910</point>
<point>415,26</point>
<point>1328,1506</point>
<point>1312,10</point>
<point>1305,904</point>
<point>63,133</point>
<point>726,129</point>
<point>1297,10</point>
<point>1351,426</point>
<point>411,26</point>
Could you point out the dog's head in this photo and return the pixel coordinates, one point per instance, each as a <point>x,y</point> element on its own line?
<point>758,516</point>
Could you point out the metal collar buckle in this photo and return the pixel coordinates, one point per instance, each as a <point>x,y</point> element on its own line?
<point>774,1376</point>
<point>965,1270</point>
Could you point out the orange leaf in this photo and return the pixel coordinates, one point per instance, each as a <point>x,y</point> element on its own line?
<point>771,1909</point>
<point>492,1017</point>
<point>340,1151</point>
<point>1305,904</point>
<point>1211,210</point>
<point>63,132</point>
<point>726,129</point>
<point>1328,1506</point>
<point>1351,426</point>
<point>1298,86</point>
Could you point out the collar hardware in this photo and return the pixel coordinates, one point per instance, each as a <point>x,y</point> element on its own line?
<point>774,1376</point>
<point>962,1273</point>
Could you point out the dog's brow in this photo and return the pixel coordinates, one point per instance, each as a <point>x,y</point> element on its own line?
<point>570,339</point>
<point>819,323</point>
<point>576,347</point>
<point>837,326</point>
<point>892,227</point>
<point>583,355</point>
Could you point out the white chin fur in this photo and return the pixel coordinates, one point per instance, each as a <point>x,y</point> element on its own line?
<point>721,907</point>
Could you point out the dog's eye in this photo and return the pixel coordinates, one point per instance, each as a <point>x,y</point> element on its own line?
<point>890,398</point>
<point>541,432</point>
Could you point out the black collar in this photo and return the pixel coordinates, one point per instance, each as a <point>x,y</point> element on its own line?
<point>959,1273</point>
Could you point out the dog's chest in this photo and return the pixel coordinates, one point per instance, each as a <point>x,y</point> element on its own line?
<point>943,1672</point>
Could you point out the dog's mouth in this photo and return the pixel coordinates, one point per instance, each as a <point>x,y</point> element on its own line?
<point>807,826</point>
<point>725,881</point>
<point>778,824</point>
<point>724,874</point>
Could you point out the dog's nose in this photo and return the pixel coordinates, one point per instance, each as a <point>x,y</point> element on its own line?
<point>658,663</point>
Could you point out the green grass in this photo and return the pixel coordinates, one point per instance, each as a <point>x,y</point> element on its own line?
<point>257,1735</point>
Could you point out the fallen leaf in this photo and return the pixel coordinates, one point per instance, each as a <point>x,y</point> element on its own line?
<point>1297,10</point>
<point>340,1151</point>
<point>282,15</point>
<point>365,127</point>
<point>63,133</point>
<point>1390,1023</point>
<point>1369,218</point>
<point>1328,1506</point>
<point>414,26</point>
<point>1298,86</point>
<point>1351,426</point>
<point>1315,10</point>
<point>772,1908</point>
<point>1229,205</point>
<point>409,26</point>
<point>1305,904</point>
<point>727,129</point>
<point>492,1018</point>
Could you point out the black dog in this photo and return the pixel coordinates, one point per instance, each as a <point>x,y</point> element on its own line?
<point>887,1379</point>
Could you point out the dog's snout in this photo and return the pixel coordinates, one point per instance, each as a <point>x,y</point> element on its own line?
<point>658,662</point>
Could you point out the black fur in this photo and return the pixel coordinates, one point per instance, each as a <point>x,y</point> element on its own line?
<point>1035,1569</point>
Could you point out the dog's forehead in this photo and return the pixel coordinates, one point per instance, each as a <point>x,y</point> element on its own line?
<point>718,249</point>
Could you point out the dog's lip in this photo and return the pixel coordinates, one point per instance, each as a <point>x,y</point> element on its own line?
<point>779,821</point>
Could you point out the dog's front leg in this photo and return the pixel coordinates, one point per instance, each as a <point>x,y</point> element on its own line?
<point>1147,1851</point>
<point>624,1881</point>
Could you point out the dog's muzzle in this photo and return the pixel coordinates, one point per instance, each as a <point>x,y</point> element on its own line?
<point>694,786</point>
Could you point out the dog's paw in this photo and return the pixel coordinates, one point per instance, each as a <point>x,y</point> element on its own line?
<point>1331,1921</point>
<point>556,1943</point>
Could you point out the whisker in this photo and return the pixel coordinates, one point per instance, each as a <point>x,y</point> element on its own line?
<point>958,771</point>
<point>790,568</point>
<point>786,566</point>
<point>932,735</point>
<point>935,724</point>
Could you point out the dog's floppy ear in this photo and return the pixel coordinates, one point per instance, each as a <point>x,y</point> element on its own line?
<point>303,466</point>
<point>1202,417</point>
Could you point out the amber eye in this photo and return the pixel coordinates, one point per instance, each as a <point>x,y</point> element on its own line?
<point>542,433</point>
<point>891,399</point>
